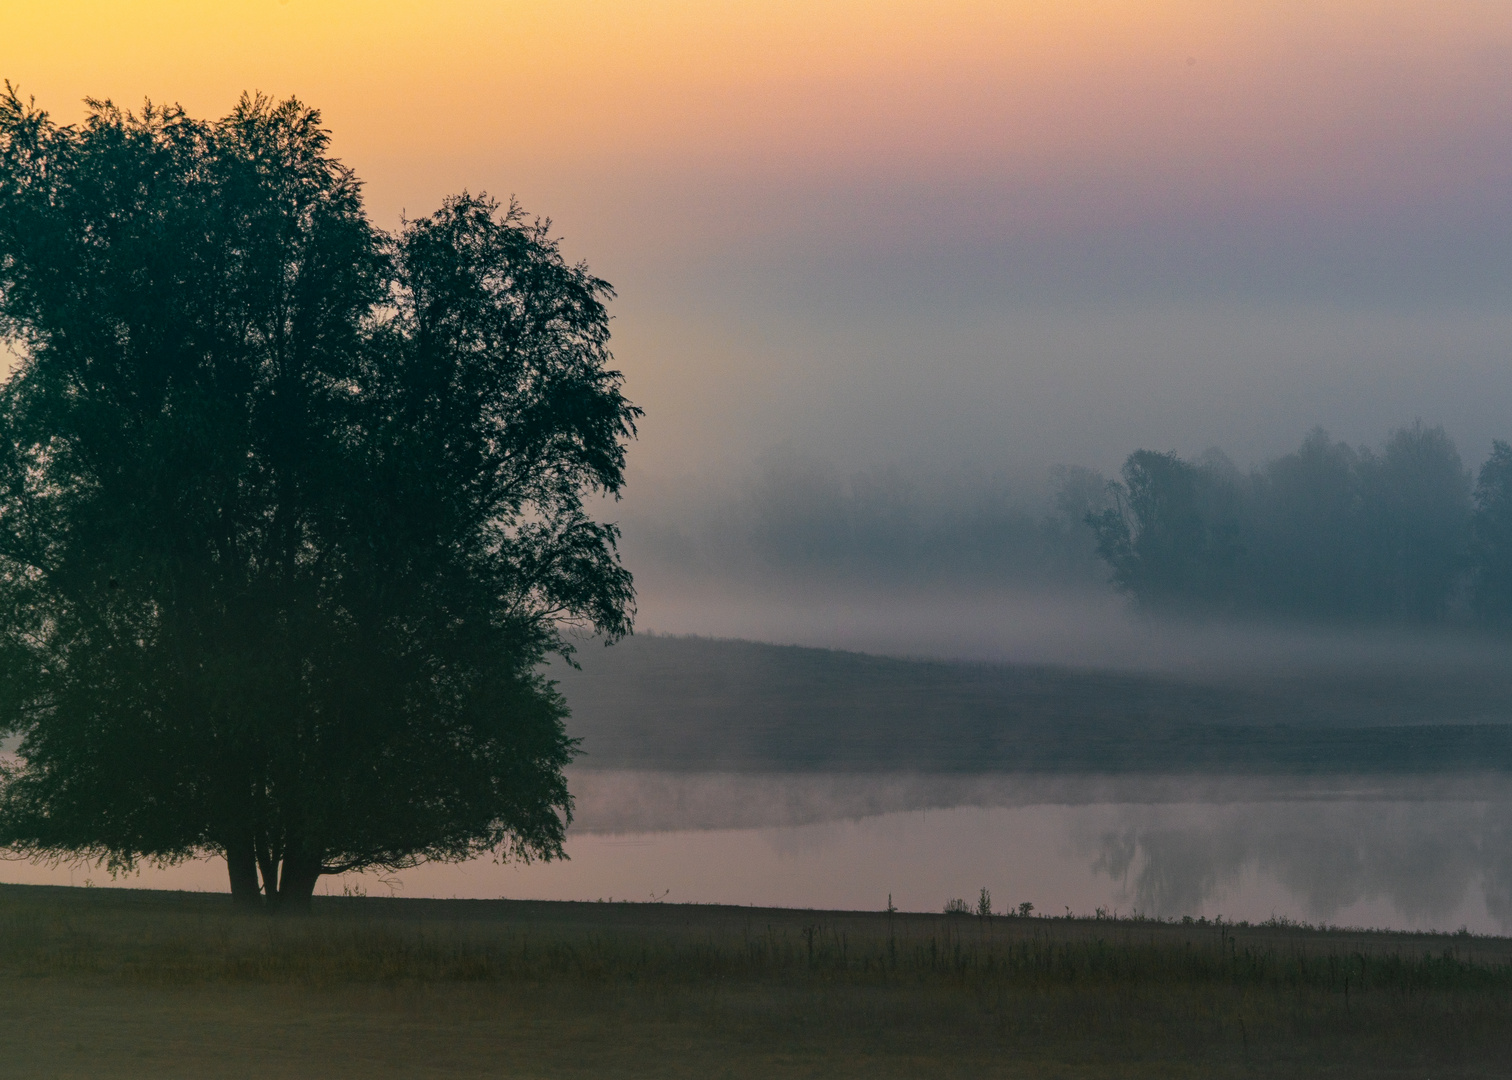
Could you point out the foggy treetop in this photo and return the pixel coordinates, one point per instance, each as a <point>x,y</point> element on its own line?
<point>1329,531</point>
<point>1400,533</point>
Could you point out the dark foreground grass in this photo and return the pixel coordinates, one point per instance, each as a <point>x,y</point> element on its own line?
<point>104,983</point>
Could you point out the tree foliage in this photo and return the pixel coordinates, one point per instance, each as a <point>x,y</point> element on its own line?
<point>1328,532</point>
<point>1172,535</point>
<point>1492,537</point>
<point>291,508</point>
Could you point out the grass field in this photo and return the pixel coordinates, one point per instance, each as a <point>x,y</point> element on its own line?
<point>110,983</point>
<point>697,704</point>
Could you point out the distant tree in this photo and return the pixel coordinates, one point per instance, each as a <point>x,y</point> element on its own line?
<point>1416,512</point>
<point>1492,537</point>
<point>1326,532</point>
<point>1174,533</point>
<point>1306,543</point>
<point>1346,534</point>
<point>291,509</point>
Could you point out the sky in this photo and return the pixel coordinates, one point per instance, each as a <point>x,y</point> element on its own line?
<point>982,237</point>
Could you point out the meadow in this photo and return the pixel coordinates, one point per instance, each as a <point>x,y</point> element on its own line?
<point>125,983</point>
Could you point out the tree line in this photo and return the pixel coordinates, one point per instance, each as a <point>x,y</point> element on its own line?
<point>1403,533</point>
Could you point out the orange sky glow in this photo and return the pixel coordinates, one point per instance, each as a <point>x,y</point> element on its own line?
<point>735,167</point>
<point>1152,97</point>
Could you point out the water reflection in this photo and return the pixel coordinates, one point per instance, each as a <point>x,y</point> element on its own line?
<point>1419,852</point>
<point>1413,853</point>
<point>1427,860</point>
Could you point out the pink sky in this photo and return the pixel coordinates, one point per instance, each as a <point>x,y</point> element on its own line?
<point>1004,233</point>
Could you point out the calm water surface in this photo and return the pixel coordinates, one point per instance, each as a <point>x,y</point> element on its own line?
<point>1418,853</point>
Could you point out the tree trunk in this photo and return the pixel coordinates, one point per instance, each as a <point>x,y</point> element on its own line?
<point>241,864</point>
<point>267,862</point>
<point>300,872</point>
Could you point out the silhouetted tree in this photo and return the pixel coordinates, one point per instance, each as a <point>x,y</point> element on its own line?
<point>1174,534</point>
<point>1415,504</point>
<point>1305,545</point>
<point>1327,532</point>
<point>1492,537</point>
<point>291,509</point>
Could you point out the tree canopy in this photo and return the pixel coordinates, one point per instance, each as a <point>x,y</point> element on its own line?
<point>291,507</point>
<point>1327,532</point>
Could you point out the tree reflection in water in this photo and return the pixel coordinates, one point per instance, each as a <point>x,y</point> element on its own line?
<point>1426,859</point>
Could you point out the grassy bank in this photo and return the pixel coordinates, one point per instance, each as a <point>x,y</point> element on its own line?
<point>122,983</point>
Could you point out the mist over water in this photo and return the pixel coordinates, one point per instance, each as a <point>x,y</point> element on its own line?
<point>1420,853</point>
<point>1426,853</point>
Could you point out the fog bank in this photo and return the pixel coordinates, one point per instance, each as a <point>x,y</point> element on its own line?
<point>1328,555</point>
